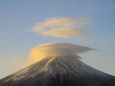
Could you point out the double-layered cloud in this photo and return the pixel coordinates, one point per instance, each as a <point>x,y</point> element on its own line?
<point>62,27</point>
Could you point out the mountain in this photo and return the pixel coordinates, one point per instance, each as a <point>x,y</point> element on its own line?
<point>59,71</point>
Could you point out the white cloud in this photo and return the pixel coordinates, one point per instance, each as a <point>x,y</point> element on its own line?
<point>56,49</point>
<point>64,32</point>
<point>62,27</point>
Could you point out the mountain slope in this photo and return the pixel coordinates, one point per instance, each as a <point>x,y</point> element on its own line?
<point>59,71</point>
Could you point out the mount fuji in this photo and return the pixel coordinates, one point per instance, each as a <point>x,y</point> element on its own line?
<point>57,64</point>
<point>59,71</point>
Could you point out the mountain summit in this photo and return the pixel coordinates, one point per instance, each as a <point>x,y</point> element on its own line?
<point>59,71</point>
<point>57,64</point>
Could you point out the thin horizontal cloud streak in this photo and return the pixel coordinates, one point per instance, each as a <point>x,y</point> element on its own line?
<point>62,27</point>
<point>64,32</point>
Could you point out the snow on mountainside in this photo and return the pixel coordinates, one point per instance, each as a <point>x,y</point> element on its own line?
<point>59,71</point>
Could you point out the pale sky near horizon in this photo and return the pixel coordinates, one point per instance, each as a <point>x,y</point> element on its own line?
<point>17,17</point>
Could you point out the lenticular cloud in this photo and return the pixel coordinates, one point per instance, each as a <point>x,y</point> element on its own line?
<point>62,27</point>
<point>56,49</point>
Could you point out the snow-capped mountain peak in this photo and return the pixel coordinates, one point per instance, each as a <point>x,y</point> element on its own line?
<point>64,68</point>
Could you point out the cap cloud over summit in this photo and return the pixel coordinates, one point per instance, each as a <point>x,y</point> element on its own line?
<point>56,49</point>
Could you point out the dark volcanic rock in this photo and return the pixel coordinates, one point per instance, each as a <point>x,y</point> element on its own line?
<point>59,71</point>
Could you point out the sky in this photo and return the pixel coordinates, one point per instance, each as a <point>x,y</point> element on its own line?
<point>18,19</point>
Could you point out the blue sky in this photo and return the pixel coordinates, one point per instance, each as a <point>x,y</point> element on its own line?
<point>17,17</point>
